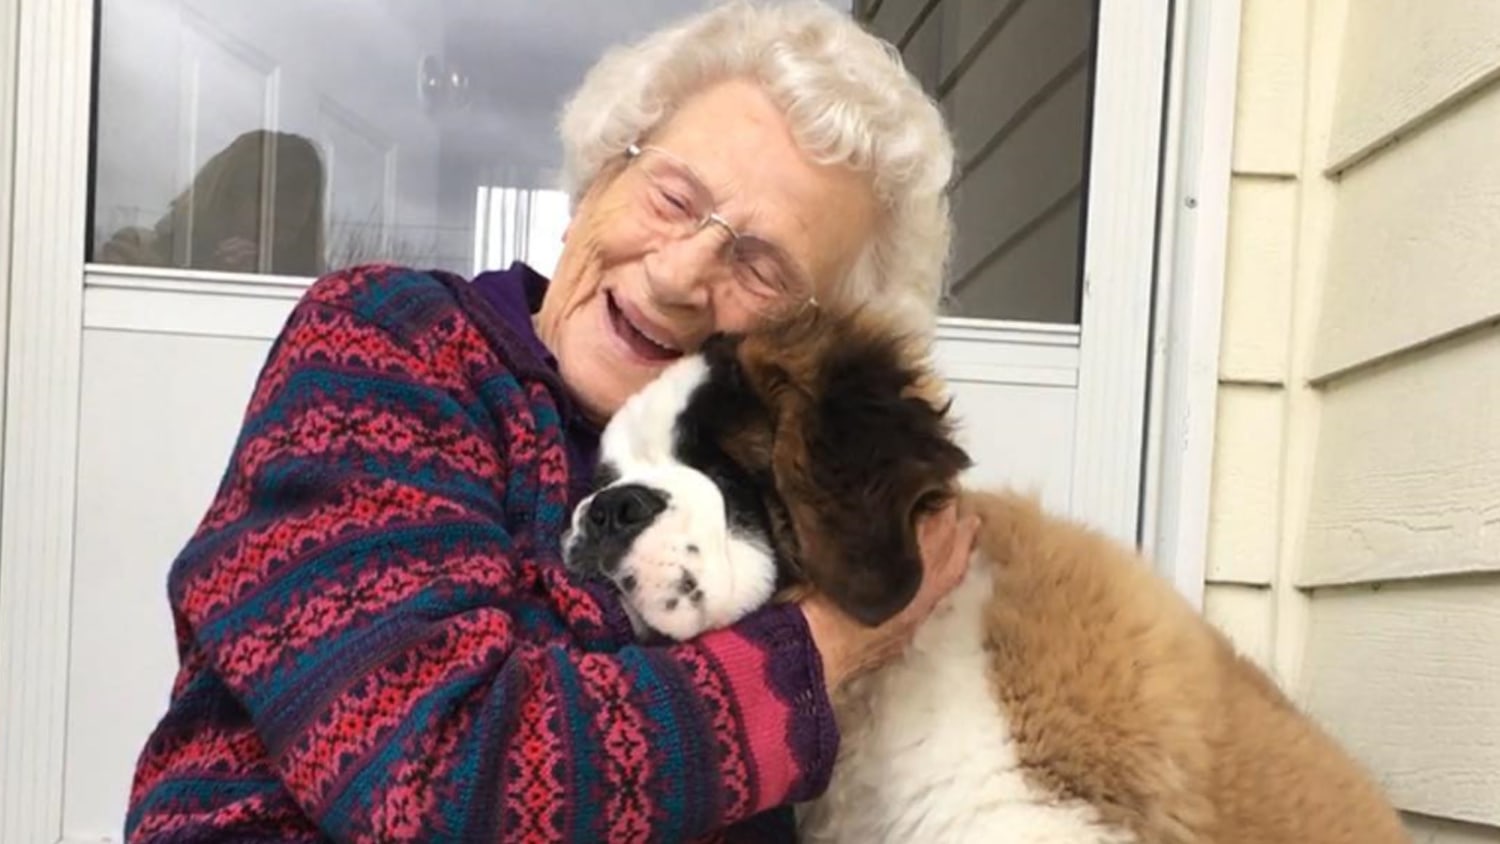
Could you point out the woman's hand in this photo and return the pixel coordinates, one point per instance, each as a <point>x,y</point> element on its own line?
<point>849,648</point>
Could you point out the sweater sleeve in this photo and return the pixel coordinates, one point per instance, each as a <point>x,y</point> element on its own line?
<point>414,673</point>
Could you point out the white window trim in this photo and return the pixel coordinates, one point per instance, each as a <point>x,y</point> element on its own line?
<point>1122,201</point>
<point>1190,291</point>
<point>46,295</point>
<point>9,48</point>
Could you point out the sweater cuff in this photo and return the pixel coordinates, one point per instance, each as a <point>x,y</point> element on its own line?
<point>776,675</point>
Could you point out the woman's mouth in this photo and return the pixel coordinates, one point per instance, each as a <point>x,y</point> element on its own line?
<point>648,348</point>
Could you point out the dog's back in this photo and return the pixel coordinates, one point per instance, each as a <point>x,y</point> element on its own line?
<point>1120,694</point>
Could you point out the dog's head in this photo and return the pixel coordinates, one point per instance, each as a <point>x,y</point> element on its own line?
<point>800,455</point>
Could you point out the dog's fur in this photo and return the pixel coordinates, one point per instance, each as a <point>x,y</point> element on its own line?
<point>1064,693</point>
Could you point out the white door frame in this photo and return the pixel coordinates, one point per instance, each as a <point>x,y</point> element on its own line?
<point>1119,356</point>
<point>1119,262</point>
<point>9,46</point>
<point>1193,242</point>
<point>43,360</point>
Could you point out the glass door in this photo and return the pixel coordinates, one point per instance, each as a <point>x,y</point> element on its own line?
<point>184,167</point>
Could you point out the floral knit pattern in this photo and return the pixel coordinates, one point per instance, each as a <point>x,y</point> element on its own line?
<point>378,641</point>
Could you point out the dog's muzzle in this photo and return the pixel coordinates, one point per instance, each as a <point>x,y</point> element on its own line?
<point>610,522</point>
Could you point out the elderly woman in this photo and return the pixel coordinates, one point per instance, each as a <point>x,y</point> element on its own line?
<point>378,640</point>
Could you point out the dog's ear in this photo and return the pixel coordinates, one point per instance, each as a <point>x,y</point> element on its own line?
<point>858,458</point>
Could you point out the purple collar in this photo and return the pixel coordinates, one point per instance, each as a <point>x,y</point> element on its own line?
<point>514,295</point>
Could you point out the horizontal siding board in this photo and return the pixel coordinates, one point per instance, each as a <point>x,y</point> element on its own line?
<point>1245,495</point>
<point>1408,678</point>
<point>1413,253</point>
<point>894,17</point>
<point>1036,279</point>
<point>967,26</point>
<point>922,53</point>
<point>1243,613</point>
<point>1404,61</point>
<point>1039,162</point>
<point>1261,264</point>
<point>1426,830</point>
<point>1034,46</point>
<point>1268,100</point>
<point>1407,480</point>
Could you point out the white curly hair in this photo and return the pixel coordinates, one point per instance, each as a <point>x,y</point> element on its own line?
<point>848,98</point>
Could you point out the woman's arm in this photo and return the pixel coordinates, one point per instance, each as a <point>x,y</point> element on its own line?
<point>370,586</point>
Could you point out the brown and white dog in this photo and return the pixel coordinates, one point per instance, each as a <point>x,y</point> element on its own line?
<point>1063,693</point>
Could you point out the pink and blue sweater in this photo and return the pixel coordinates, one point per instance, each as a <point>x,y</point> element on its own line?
<point>377,638</point>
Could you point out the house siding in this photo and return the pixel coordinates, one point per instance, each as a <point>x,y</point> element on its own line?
<point>1012,78</point>
<point>1355,527</point>
<point>1246,501</point>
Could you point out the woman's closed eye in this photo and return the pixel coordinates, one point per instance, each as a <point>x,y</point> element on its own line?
<point>677,205</point>
<point>759,275</point>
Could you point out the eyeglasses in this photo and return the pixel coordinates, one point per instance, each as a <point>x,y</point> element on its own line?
<point>675,202</point>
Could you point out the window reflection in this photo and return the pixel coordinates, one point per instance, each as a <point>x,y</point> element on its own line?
<point>1013,79</point>
<point>518,225</point>
<point>256,206</point>
<point>291,137</point>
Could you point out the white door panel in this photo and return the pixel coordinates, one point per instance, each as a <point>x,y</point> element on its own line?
<point>159,416</point>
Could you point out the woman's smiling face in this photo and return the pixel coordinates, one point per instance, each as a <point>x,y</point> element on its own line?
<point>640,283</point>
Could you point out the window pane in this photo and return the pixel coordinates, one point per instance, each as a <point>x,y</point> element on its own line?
<point>1013,80</point>
<point>287,136</point>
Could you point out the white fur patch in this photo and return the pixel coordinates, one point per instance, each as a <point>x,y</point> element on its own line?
<point>927,753</point>
<point>643,430</point>
<point>688,572</point>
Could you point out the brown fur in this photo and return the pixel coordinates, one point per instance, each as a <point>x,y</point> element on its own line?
<point>1121,695</point>
<point>857,455</point>
<point>1118,693</point>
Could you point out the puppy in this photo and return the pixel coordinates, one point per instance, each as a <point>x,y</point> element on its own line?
<point>1063,693</point>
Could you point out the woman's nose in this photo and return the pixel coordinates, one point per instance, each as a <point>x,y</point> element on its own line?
<point>681,271</point>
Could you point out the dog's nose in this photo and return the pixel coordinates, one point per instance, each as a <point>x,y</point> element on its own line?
<point>624,508</point>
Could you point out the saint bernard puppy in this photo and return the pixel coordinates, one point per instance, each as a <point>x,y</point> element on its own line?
<point>1063,693</point>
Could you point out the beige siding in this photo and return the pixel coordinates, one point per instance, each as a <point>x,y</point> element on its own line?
<point>1258,287</point>
<point>1407,677</point>
<point>998,202</point>
<point>1415,249</point>
<point>967,26</point>
<point>1043,42</point>
<point>1243,613</point>
<point>1408,469</point>
<point>1012,77</point>
<point>1433,831</point>
<point>1404,62</point>
<point>1245,504</point>
<point>1035,278</point>
<point>894,20</point>
<point>1355,531</point>
<point>1268,104</point>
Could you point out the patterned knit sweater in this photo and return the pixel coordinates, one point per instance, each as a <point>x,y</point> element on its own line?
<point>378,641</point>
